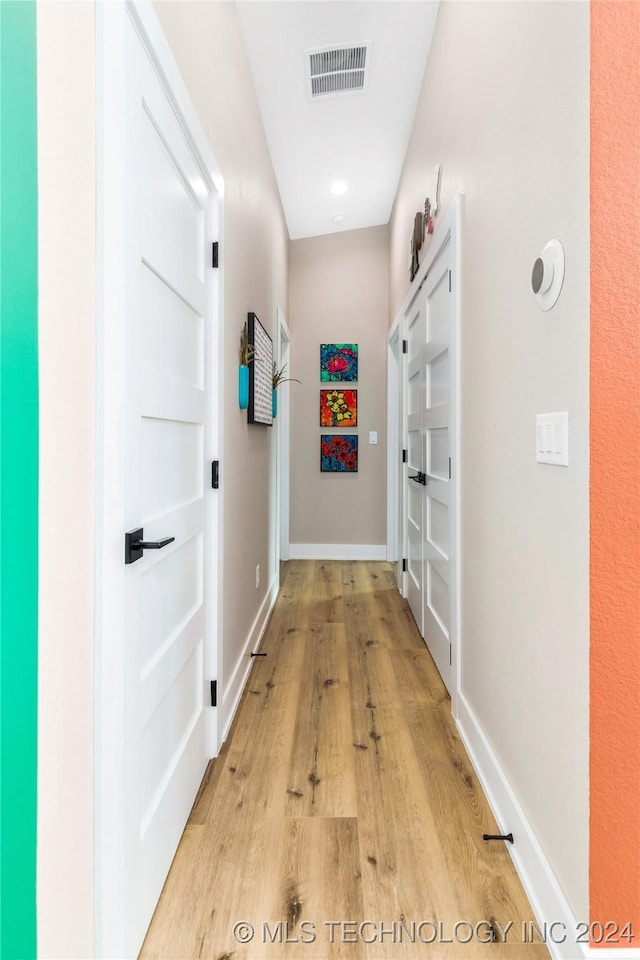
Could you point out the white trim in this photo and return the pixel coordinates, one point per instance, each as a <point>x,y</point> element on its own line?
<point>623,953</point>
<point>338,551</point>
<point>283,426</point>
<point>394,444</point>
<point>109,806</point>
<point>454,216</point>
<point>547,900</point>
<point>401,503</point>
<point>235,687</point>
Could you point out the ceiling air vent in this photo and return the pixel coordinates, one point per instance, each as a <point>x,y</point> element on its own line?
<point>337,70</point>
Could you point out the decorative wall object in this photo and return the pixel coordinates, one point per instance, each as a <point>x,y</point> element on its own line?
<point>260,373</point>
<point>436,202</point>
<point>338,408</point>
<point>246,356</point>
<point>427,220</point>
<point>338,454</point>
<point>338,361</point>
<point>278,377</point>
<point>416,244</point>
<point>243,386</point>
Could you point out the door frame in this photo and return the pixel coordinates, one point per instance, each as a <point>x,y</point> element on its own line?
<point>448,230</point>
<point>112,19</point>
<point>395,465</point>
<point>283,429</point>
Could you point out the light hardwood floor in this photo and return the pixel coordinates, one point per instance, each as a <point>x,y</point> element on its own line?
<point>343,794</point>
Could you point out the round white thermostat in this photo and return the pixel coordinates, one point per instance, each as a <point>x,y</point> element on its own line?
<point>547,275</point>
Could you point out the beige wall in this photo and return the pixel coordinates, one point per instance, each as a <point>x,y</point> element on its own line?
<point>207,44</point>
<point>67,218</point>
<point>339,293</point>
<point>505,109</point>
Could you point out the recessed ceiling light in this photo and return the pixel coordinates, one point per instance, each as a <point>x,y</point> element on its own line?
<point>340,186</point>
<point>339,217</point>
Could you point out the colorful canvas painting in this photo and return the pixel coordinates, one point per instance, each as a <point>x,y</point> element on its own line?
<point>338,408</point>
<point>339,454</point>
<point>338,361</point>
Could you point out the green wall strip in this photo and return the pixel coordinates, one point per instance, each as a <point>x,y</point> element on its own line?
<point>19,478</point>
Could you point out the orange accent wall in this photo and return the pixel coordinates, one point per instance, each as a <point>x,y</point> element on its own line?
<point>615,464</point>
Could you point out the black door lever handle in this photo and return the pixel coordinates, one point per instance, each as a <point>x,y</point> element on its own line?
<point>420,478</point>
<point>134,544</point>
<point>153,544</point>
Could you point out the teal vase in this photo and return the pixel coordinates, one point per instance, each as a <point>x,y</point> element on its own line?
<point>274,404</point>
<point>243,387</point>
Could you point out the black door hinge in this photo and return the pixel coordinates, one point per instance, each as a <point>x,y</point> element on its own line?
<point>215,474</point>
<point>449,468</point>
<point>449,281</point>
<point>404,456</point>
<point>404,566</point>
<point>214,693</point>
<point>214,254</point>
<point>405,346</point>
<point>450,655</point>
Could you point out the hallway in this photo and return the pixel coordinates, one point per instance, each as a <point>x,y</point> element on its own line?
<point>343,789</point>
<point>343,793</point>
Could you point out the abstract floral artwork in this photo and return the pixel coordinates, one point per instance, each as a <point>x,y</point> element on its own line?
<point>338,408</point>
<point>338,361</point>
<point>338,454</point>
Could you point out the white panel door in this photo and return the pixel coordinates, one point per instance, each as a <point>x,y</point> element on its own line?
<point>415,329</point>
<point>168,314</point>
<point>438,530</point>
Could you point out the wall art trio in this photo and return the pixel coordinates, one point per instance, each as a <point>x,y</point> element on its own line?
<point>338,407</point>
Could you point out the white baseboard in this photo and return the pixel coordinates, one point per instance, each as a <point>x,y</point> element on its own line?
<point>337,551</point>
<point>234,688</point>
<point>547,900</point>
<point>623,953</point>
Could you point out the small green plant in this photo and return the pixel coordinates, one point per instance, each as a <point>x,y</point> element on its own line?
<point>279,376</point>
<point>247,349</point>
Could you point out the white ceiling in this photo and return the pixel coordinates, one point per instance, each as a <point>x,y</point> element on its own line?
<point>361,137</point>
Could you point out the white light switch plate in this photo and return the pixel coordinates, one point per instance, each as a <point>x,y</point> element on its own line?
<point>373,436</point>
<point>552,439</point>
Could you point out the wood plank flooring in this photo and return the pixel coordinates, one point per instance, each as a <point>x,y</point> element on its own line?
<point>343,818</point>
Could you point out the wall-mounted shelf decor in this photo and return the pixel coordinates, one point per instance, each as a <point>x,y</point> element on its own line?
<point>260,408</point>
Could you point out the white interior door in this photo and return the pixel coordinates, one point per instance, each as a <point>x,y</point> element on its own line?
<point>168,320</point>
<point>414,499</point>
<point>431,418</point>
<point>438,305</point>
